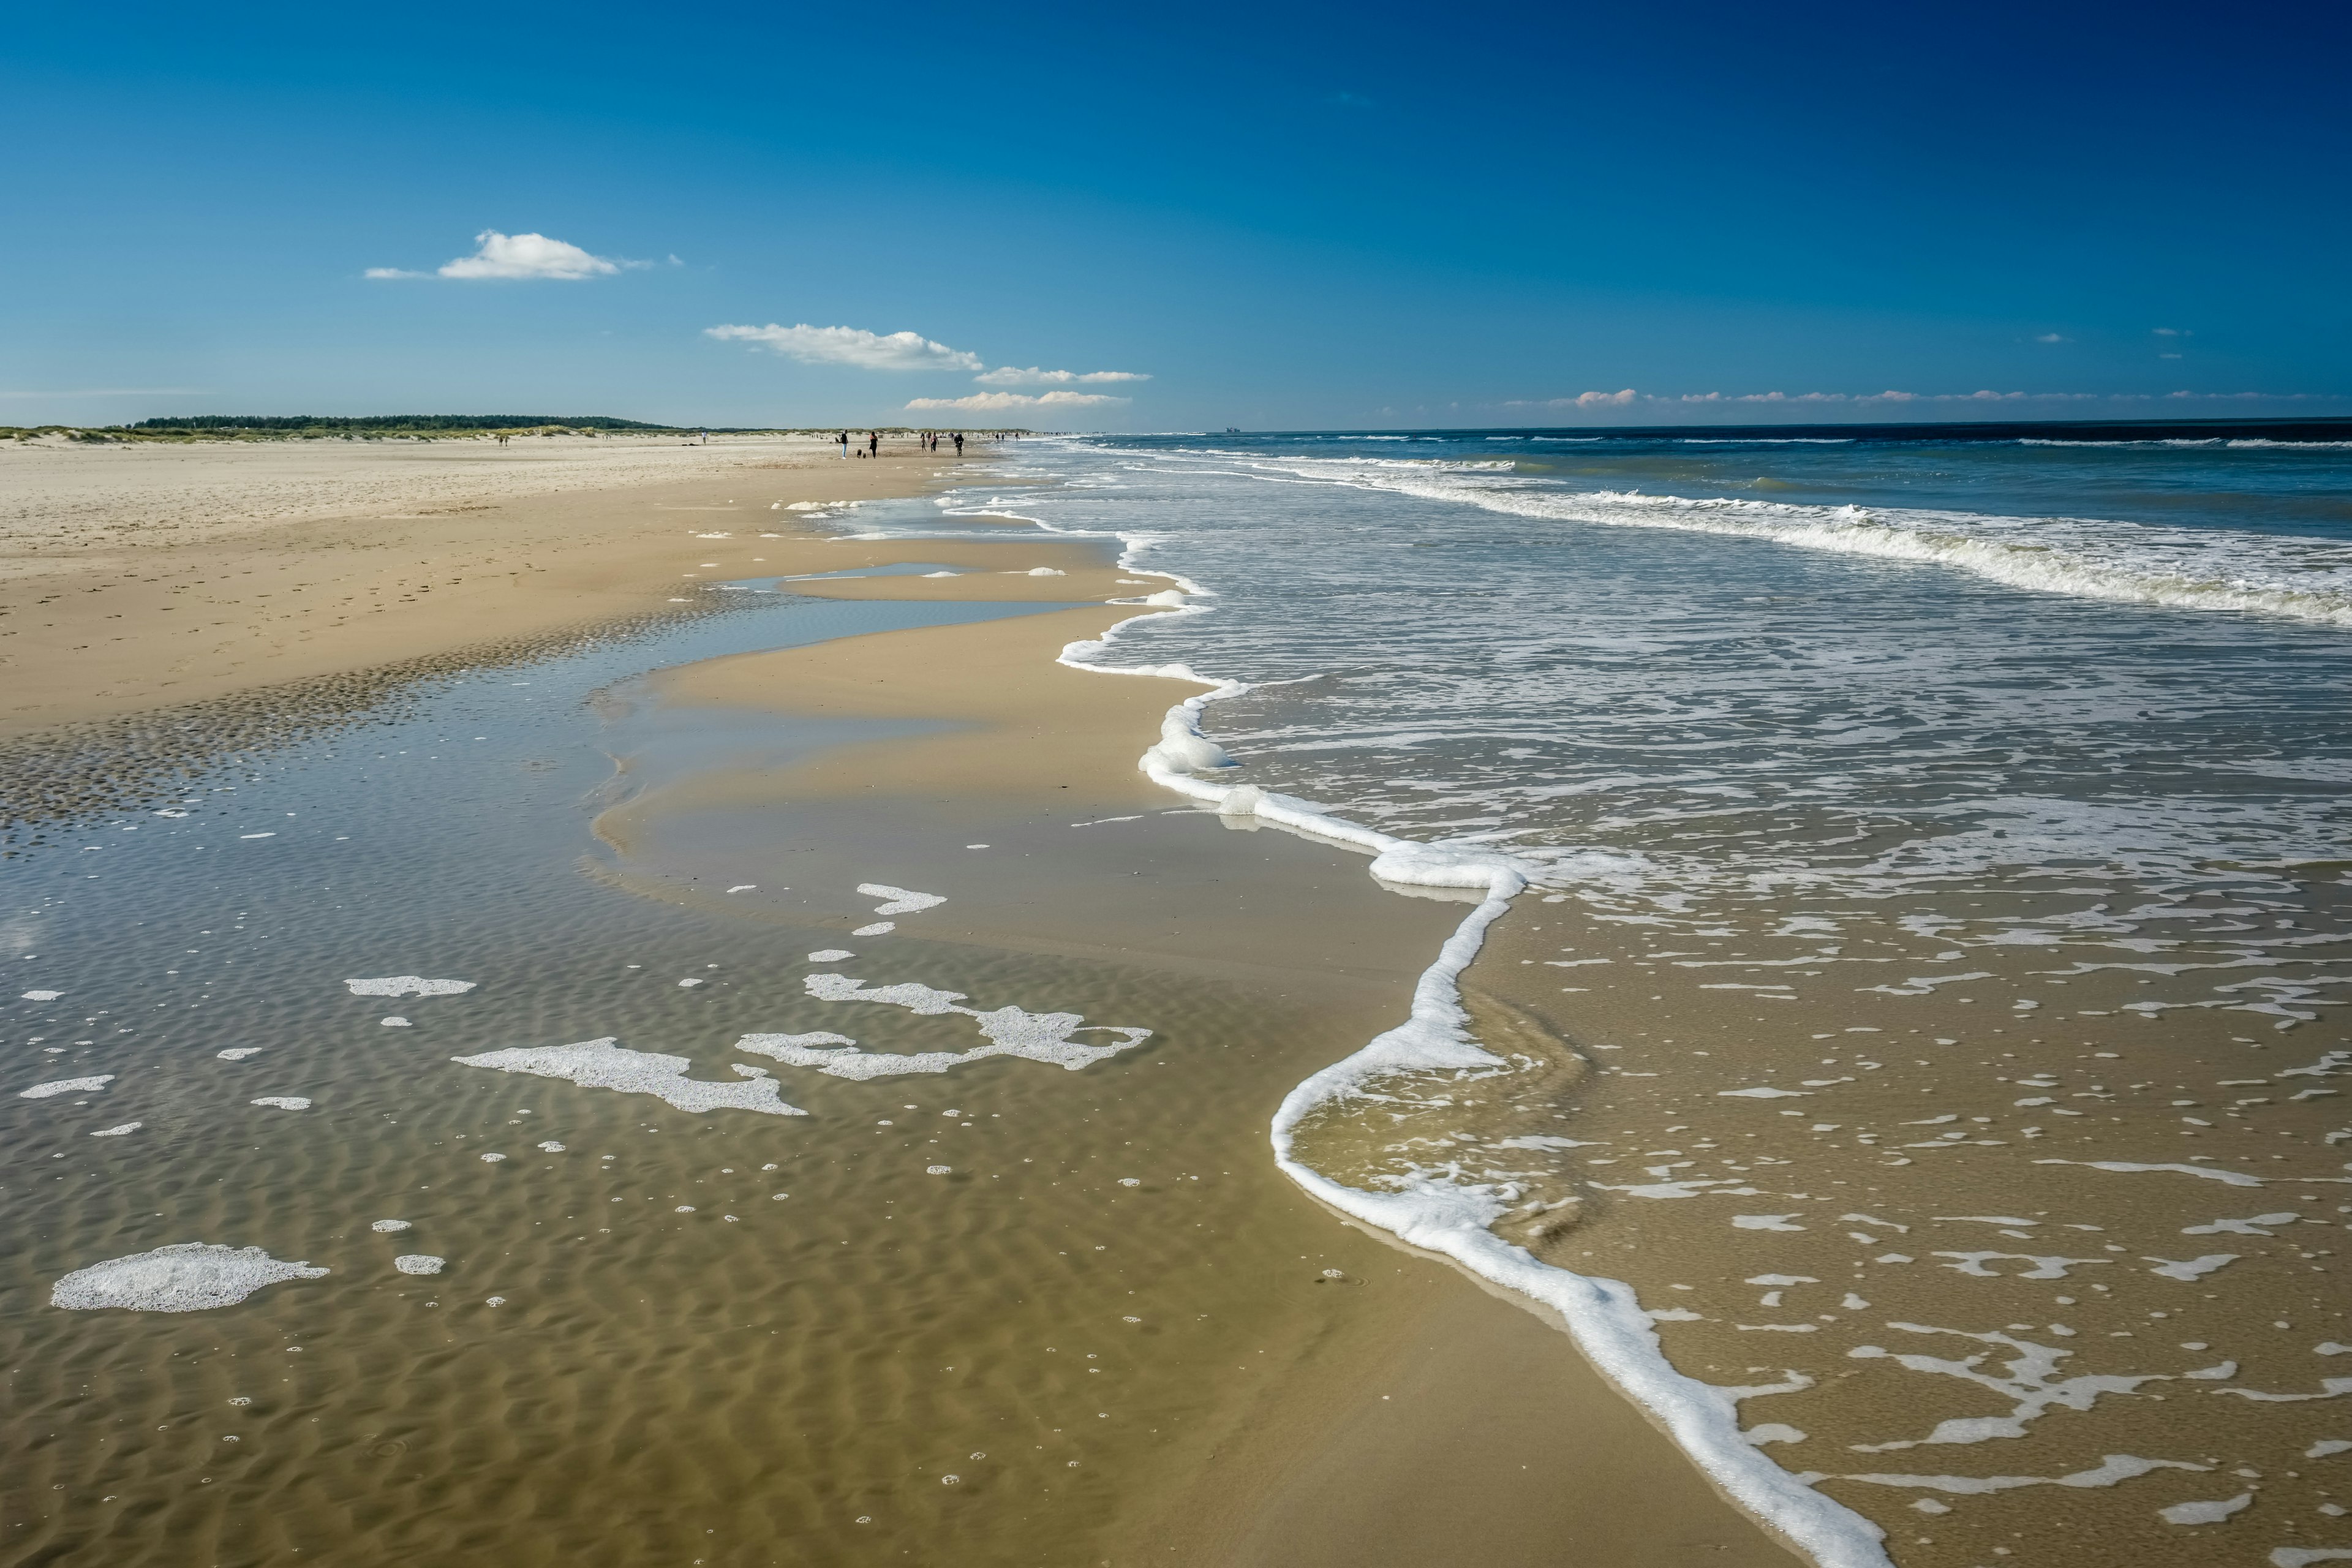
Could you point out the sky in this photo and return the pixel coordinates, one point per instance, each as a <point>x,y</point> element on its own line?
<point>1143,218</point>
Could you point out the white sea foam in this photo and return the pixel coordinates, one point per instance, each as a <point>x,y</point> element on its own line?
<point>2329,1388</point>
<point>2084,558</point>
<point>1009,1031</point>
<point>190,1277</point>
<point>1453,1220</point>
<point>830,956</point>
<point>41,995</point>
<point>2043,1267</point>
<point>1452,1215</point>
<point>419,1263</point>
<point>2211,1511</point>
<point>604,1064</point>
<point>900,901</point>
<point>2115,1469</point>
<point>284,1101</point>
<point>387,1227</point>
<point>409,985</point>
<point>67,1085</point>
<point>2029,1382</point>
<point>2234,1178</point>
<point>879,928</point>
<point>127,1127</point>
<point>237,1053</point>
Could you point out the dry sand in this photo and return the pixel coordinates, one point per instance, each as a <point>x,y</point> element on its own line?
<point>136,577</point>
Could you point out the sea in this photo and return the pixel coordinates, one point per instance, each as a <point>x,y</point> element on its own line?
<point>1976,713</point>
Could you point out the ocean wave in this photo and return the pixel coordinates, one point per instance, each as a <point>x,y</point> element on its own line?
<point>2211,570</point>
<point>2199,443</point>
<point>1603,1316</point>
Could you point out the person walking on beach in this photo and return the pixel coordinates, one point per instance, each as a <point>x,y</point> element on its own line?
<point>873,443</point>
<point>959,441</point>
<point>844,439</point>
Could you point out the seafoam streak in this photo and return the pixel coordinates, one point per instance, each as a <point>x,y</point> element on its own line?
<point>1603,1315</point>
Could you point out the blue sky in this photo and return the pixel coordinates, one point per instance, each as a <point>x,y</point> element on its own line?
<point>1301,217</point>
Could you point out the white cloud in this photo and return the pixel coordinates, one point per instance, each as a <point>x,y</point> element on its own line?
<point>1012,376</point>
<point>2053,338</point>
<point>517,256</point>
<point>851,346</point>
<point>1011,402</point>
<point>2167,331</point>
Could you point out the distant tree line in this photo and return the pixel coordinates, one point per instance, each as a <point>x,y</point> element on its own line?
<point>395,422</point>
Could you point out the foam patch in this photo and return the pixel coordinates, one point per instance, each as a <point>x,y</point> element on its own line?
<point>1009,1031</point>
<point>603,1063</point>
<point>901,901</point>
<point>191,1277</point>
<point>419,1263</point>
<point>65,1085</point>
<point>409,985</point>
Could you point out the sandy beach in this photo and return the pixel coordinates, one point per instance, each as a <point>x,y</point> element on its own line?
<point>1294,1420</point>
<point>136,576</point>
<point>901,1059</point>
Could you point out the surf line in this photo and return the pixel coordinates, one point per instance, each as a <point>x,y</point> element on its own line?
<point>1603,1316</point>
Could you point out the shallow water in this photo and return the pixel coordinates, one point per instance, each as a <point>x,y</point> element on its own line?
<point>1985,804</point>
<point>972,1307</point>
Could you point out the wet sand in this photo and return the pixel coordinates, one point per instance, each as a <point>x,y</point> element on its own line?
<point>997,1305</point>
<point>1926,1255</point>
<point>1429,1422</point>
<point>1908,1257</point>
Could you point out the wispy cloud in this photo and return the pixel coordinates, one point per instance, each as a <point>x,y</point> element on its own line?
<point>2054,338</point>
<point>1012,376</point>
<point>2167,331</point>
<point>517,256</point>
<point>117,392</point>
<point>1014,402</point>
<point>851,346</point>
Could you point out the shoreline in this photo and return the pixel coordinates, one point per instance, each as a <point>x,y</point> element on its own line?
<point>1029,725</point>
<point>1602,1318</point>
